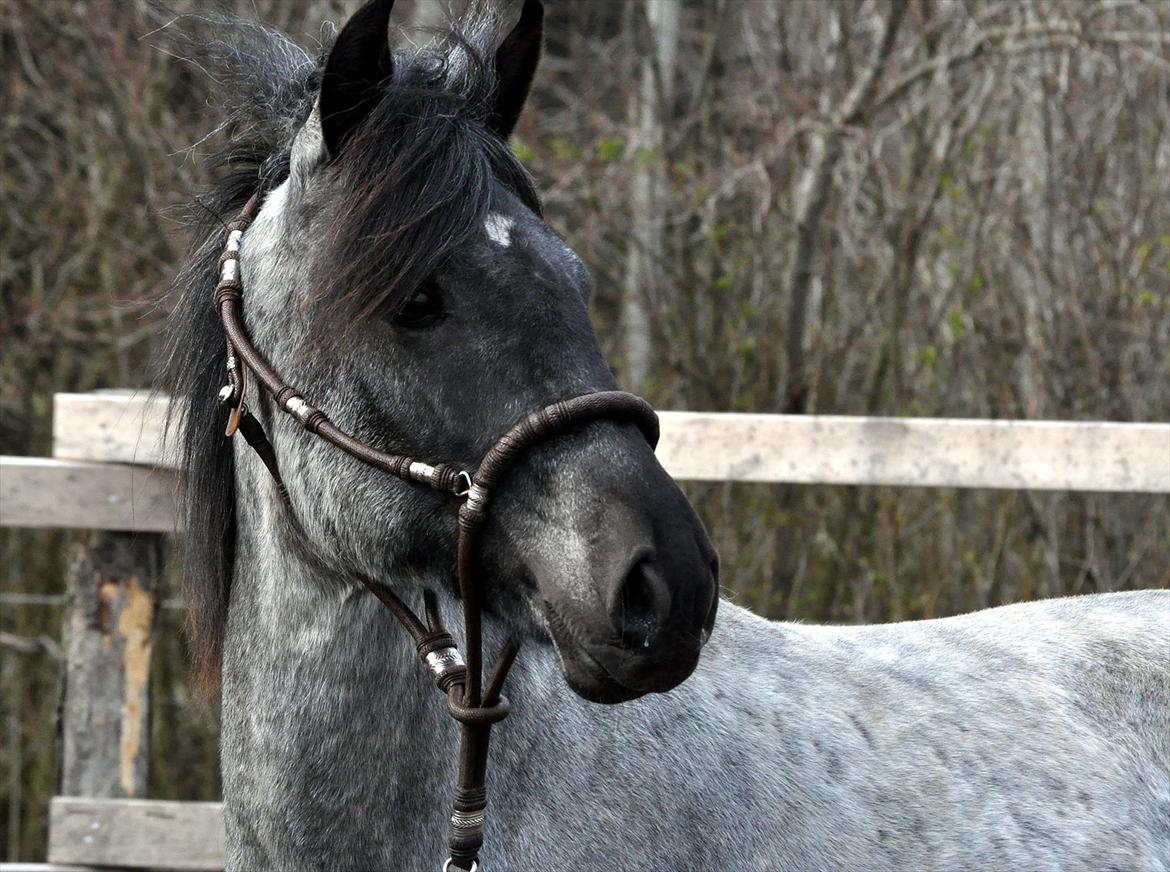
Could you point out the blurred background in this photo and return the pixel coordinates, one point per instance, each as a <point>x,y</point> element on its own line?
<point>952,208</point>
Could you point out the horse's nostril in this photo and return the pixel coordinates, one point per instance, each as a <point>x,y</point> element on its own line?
<point>641,605</point>
<point>709,619</point>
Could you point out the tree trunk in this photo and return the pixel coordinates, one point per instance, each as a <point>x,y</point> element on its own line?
<point>812,196</point>
<point>649,200</point>
<point>105,719</point>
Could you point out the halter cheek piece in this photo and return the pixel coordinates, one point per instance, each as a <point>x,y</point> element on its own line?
<point>474,706</point>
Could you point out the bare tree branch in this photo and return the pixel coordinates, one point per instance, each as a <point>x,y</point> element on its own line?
<point>31,645</point>
<point>813,194</point>
<point>1010,39</point>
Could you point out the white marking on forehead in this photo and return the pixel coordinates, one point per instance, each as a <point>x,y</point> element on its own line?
<point>499,229</point>
<point>275,202</point>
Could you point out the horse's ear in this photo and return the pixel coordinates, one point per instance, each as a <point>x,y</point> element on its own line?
<point>516,61</point>
<point>359,62</point>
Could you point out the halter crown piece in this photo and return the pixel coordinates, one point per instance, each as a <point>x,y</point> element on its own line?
<point>475,706</point>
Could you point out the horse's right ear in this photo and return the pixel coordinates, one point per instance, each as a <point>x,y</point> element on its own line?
<point>359,63</point>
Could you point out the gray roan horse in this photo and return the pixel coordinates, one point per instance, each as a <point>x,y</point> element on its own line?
<point>399,273</point>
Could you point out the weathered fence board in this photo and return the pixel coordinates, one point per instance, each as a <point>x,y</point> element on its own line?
<point>113,426</point>
<point>815,449</point>
<point>105,716</point>
<point>136,834</point>
<point>36,492</point>
<point>932,452</point>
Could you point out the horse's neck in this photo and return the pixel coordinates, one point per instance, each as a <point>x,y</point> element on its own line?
<point>325,704</point>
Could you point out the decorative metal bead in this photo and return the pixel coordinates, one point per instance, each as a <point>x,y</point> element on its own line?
<point>463,821</point>
<point>231,271</point>
<point>443,662</point>
<point>420,471</point>
<point>299,408</point>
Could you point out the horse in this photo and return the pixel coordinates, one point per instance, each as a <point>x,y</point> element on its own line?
<point>398,270</point>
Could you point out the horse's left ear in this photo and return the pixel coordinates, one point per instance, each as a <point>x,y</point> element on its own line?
<point>516,61</point>
<point>359,62</point>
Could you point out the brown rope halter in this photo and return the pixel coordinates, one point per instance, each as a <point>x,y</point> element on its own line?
<point>475,707</point>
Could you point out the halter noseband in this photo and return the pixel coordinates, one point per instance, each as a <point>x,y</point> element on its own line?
<point>474,706</point>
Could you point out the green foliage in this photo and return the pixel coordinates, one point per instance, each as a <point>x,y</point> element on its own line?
<point>610,148</point>
<point>957,322</point>
<point>562,148</point>
<point>523,152</point>
<point>949,188</point>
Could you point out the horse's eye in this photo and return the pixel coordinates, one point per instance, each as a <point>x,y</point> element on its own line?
<point>423,309</point>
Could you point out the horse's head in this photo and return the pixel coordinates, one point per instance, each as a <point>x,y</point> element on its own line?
<point>399,273</point>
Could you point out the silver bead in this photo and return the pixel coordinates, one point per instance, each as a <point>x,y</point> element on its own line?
<point>420,471</point>
<point>462,821</point>
<point>299,408</point>
<point>444,660</point>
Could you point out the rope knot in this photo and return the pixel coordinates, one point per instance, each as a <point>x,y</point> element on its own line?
<point>479,715</point>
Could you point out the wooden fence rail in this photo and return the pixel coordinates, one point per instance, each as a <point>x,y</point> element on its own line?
<point>40,492</point>
<point>109,470</point>
<point>136,833</point>
<point>122,427</point>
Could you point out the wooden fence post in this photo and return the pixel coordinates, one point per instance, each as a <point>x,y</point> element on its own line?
<point>105,718</point>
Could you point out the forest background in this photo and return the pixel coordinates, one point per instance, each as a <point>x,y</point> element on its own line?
<point>952,208</point>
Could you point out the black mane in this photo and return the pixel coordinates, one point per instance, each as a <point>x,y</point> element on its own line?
<point>419,171</point>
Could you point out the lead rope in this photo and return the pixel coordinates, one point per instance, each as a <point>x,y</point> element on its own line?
<point>474,706</point>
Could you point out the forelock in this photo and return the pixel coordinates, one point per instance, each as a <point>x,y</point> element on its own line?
<point>415,180</point>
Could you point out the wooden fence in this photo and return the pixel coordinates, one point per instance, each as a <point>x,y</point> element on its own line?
<point>109,474</point>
